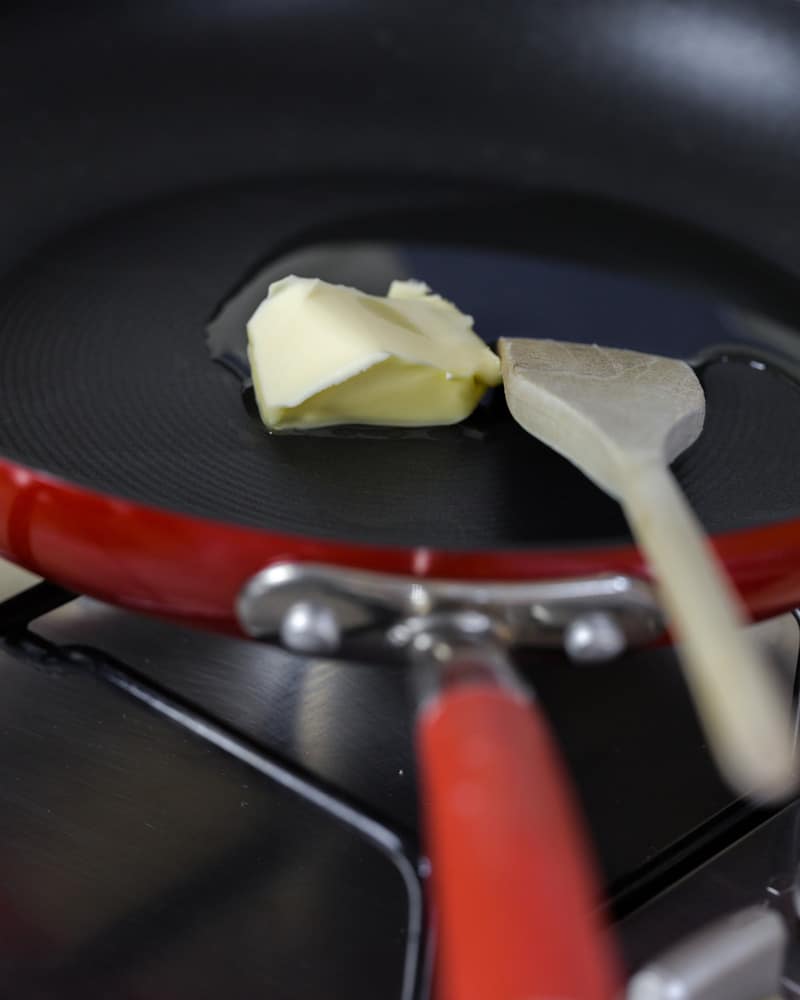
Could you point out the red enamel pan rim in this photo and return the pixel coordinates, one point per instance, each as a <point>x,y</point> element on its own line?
<point>191,569</point>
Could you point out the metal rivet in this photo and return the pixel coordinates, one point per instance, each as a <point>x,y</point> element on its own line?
<point>423,642</point>
<point>442,651</point>
<point>310,627</point>
<point>541,613</point>
<point>594,638</point>
<point>399,635</point>
<point>419,599</point>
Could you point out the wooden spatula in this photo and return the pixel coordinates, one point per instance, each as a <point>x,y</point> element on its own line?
<point>622,417</point>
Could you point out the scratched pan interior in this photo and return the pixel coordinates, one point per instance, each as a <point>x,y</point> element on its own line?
<point>106,380</point>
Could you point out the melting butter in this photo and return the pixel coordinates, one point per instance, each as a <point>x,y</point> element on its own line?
<point>324,354</point>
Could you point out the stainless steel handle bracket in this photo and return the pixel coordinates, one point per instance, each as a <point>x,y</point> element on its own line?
<point>320,609</point>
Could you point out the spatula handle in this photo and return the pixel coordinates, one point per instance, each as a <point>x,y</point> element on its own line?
<point>745,718</point>
<point>515,893</point>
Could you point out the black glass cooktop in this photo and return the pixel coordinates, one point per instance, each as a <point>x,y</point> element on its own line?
<point>176,814</point>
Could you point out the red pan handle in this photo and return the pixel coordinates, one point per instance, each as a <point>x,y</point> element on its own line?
<point>515,891</point>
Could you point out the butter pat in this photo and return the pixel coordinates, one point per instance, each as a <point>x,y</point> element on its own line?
<point>325,354</point>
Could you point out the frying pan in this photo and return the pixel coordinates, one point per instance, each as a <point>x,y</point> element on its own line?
<point>133,471</point>
<point>168,150</point>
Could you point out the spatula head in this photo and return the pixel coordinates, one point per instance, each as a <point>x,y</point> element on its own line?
<point>602,408</point>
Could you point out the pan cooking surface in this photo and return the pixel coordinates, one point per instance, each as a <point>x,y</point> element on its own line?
<point>106,380</point>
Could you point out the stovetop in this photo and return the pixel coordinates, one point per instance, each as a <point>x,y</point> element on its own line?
<point>183,815</point>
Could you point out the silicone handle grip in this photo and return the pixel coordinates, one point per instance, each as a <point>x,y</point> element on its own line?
<point>515,892</point>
